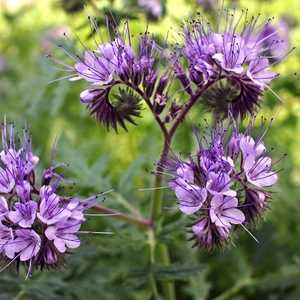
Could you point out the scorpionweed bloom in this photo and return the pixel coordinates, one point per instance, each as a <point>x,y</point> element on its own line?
<point>118,77</point>
<point>225,184</point>
<point>231,59</point>
<point>37,225</point>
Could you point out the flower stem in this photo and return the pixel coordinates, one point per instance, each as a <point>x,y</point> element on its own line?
<point>168,286</point>
<point>157,193</point>
<point>193,99</point>
<point>160,249</point>
<point>154,287</point>
<point>143,223</point>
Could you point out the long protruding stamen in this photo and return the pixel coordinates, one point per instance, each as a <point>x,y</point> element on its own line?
<point>247,230</point>
<point>8,264</point>
<point>97,232</point>
<point>103,215</point>
<point>152,188</point>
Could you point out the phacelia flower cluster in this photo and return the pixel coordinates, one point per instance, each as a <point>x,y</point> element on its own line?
<point>116,64</point>
<point>224,185</point>
<point>237,53</point>
<point>37,225</point>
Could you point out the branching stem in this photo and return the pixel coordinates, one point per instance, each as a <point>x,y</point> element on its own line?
<point>162,251</point>
<point>159,252</point>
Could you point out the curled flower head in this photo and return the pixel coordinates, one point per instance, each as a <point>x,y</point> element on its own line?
<point>37,225</point>
<point>232,59</point>
<point>118,75</point>
<point>224,185</point>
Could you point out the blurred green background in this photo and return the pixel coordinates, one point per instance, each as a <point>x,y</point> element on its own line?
<point>116,267</point>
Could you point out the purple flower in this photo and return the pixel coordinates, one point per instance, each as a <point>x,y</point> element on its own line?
<point>234,145</point>
<point>8,156</point>
<point>185,172</point>
<point>237,56</point>
<point>213,158</point>
<point>190,196</point>
<point>111,61</point>
<point>257,166</point>
<point>51,209</point>
<point>250,148</point>
<point>208,234</point>
<point>223,211</point>
<point>77,208</point>
<point>116,63</point>
<point>255,204</point>
<point>7,181</point>
<point>63,235</point>
<point>6,238</point>
<point>23,190</point>
<point>36,224</point>
<point>18,162</point>
<point>259,171</point>
<point>100,66</point>
<point>224,184</point>
<point>153,8</point>
<point>275,38</point>
<point>26,244</point>
<point>219,183</point>
<point>24,215</point>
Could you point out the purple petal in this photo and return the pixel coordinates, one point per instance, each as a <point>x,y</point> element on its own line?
<point>233,216</point>
<point>72,241</point>
<point>50,233</point>
<point>60,245</point>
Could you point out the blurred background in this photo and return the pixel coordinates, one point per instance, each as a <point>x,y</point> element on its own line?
<point>116,267</point>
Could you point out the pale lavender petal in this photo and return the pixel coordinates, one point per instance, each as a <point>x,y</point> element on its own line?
<point>60,245</point>
<point>72,241</point>
<point>50,233</point>
<point>230,202</point>
<point>233,216</point>
<point>265,179</point>
<point>15,216</point>
<point>186,173</point>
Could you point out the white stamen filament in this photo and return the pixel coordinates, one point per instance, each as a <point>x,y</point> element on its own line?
<point>247,230</point>
<point>96,232</point>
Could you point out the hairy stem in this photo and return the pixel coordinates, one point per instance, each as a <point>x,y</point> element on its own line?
<point>143,223</point>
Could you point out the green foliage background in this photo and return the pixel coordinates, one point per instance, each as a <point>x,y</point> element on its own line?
<point>116,267</point>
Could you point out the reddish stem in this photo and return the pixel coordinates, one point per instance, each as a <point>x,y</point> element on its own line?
<point>144,223</point>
